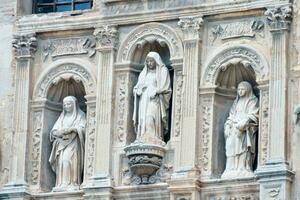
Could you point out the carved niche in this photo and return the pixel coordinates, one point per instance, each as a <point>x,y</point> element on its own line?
<point>150,32</point>
<point>248,57</point>
<point>79,73</point>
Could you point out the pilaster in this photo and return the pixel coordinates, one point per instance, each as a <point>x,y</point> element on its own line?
<point>187,169</point>
<point>106,37</point>
<point>25,47</point>
<point>275,176</point>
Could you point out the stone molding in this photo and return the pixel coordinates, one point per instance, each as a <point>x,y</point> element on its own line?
<point>25,45</point>
<point>279,17</point>
<point>247,54</point>
<point>106,36</point>
<point>191,26</point>
<point>74,69</point>
<point>150,32</point>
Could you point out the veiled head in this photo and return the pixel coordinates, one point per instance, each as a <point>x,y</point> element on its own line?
<point>69,104</point>
<point>245,89</point>
<point>153,60</point>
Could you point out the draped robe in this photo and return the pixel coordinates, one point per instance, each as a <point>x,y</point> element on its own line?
<point>67,155</point>
<point>150,115</point>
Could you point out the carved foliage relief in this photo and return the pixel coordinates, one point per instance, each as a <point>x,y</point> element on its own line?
<point>36,144</point>
<point>91,137</point>
<point>205,125</point>
<point>122,94</point>
<point>178,102</point>
<point>264,126</point>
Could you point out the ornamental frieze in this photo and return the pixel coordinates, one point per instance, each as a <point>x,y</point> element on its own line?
<point>69,46</point>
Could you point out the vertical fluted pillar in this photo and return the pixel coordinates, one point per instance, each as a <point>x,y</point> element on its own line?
<point>275,174</point>
<point>25,47</point>
<point>106,37</point>
<point>187,166</point>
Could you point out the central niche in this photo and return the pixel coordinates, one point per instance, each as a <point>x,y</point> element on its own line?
<point>230,75</point>
<point>62,86</point>
<point>162,49</point>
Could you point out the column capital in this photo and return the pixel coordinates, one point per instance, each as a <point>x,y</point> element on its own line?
<point>25,45</point>
<point>191,26</point>
<point>279,17</point>
<point>106,36</point>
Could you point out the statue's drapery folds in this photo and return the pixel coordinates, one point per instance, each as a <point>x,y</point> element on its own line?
<point>240,131</point>
<point>67,155</point>
<point>151,100</point>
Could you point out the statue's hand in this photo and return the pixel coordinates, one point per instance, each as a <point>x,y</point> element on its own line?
<point>241,126</point>
<point>153,94</point>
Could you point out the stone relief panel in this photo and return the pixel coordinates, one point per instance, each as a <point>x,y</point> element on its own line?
<point>239,29</point>
<point>264,126</point>
<point>205,126</point>
<point>36,146</point>
<point>69,46</point>
<point>115,7</point>
<point>178,104</point>
<point>90,143</point>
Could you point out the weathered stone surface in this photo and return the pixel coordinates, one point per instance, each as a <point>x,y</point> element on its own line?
<point>208,46</point>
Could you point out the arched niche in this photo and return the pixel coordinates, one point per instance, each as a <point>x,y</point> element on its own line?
<point>58,81</point>
<point>130,60</point>
<point>226,69</point>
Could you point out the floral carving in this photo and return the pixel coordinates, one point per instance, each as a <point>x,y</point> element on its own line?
<point>279,17</point>
<point>190,24</point>
<point>264,132</point>
<point>106,36</point>
<point>178,102</point>
<point>24,45</point>
<point>205,127</point>
<point>91,136</point>
<point>121,111</point>
<point>36,141</point>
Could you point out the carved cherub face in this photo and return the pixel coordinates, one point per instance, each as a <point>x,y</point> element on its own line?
<point>68,105</point>
<point>242,90</point>
<point>151,63</point>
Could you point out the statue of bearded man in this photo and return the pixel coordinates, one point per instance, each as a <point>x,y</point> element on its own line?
<point>152,95</point>
<point>240,133</point>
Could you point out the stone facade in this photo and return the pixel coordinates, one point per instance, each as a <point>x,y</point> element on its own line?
<point>208,46</point>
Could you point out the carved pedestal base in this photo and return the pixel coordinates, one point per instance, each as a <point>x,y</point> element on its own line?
<point>144,161</point>
<point>15,191</point>
<point>275,181</point>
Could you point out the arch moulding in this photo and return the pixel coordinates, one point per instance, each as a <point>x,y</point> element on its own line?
<point>150,32</point>
<point>64,69</point>
<point>248,56</point>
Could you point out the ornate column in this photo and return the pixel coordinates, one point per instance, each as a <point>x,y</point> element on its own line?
<point>106,37</point>
<point>275,177</point>
<point>25,47</point>
<point>187,171</point>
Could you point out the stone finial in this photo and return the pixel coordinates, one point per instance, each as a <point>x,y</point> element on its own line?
<point>280,17</point>
<point>191,25</point>
<point>24,45</point>
<point>106,36</point>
